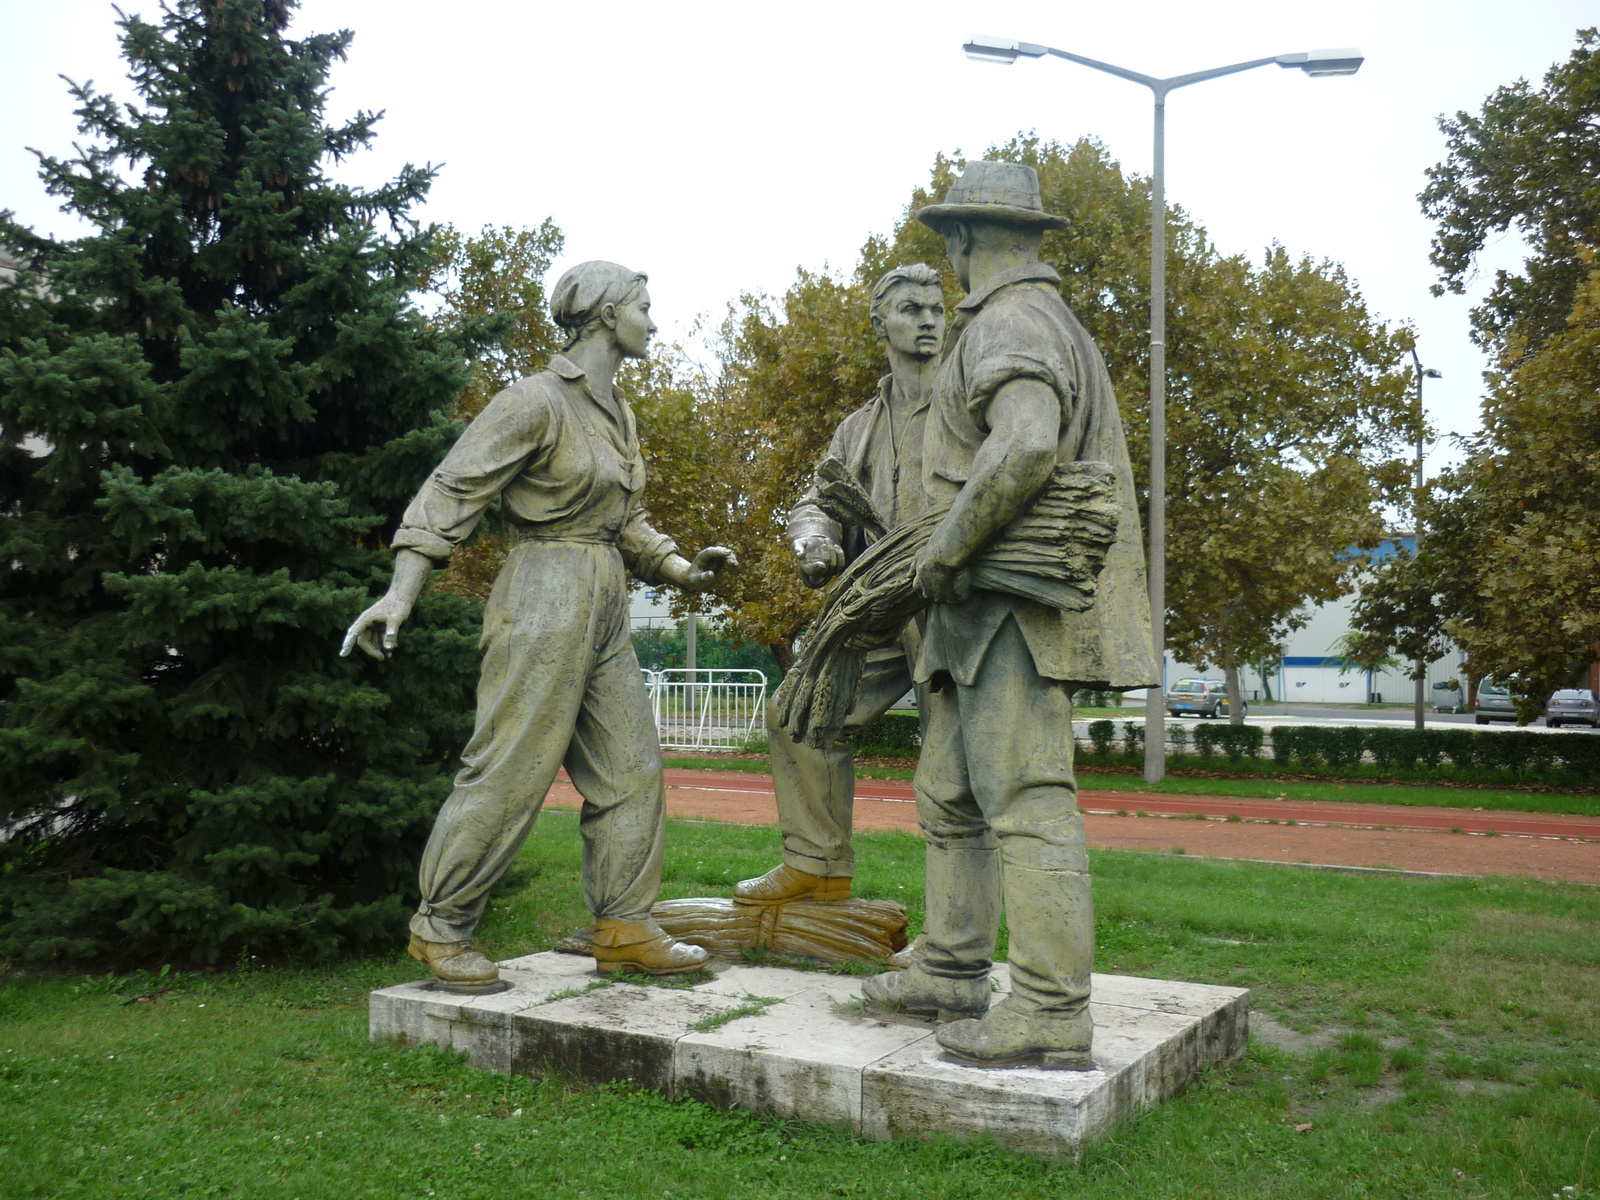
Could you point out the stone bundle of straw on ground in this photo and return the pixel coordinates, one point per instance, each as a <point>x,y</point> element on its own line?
<point>1052,552</point>
<point>832,931</point>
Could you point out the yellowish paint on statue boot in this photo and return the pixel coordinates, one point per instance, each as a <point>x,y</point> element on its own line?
<point>915,991</point>
<point>643,946</point>
<point>785,883</point>
<point>455,965</point>
<point>1010,1035</point>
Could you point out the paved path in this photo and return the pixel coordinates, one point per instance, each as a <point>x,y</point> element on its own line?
<point>1325,832</point>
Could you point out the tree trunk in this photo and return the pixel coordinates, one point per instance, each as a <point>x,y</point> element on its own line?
<point>1266,686</point>
<point>1235,695</point>
<point>784,652</point>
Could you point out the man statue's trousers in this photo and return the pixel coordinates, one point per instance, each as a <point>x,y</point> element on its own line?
<point>995,784</point>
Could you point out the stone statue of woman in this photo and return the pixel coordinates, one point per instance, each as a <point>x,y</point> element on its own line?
<point>560,683</point>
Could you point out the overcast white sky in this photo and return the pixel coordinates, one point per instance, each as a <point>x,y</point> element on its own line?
<point>720,146</point>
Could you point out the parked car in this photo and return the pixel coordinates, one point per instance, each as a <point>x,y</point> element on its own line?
<point>1572,706</point>
<point>1201,697</point>
<point>1449,697</point>
<point>1495,703</point>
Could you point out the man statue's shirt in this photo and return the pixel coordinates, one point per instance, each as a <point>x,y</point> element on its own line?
<point>1016,326</point>
<point>884,456</point>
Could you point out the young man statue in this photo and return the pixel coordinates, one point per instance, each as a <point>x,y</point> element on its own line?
<point>1021,390</point>
<point>880,445</point>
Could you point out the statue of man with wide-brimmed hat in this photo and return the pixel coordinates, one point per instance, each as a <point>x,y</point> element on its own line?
<point>1020,391</point>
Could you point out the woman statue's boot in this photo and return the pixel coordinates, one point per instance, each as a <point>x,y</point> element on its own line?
<point>643,946</point>
<point>455,965</point>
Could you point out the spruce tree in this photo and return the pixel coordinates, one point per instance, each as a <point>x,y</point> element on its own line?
<point>213,409</point>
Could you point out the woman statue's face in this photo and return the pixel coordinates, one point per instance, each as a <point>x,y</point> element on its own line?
<point>634,326</point>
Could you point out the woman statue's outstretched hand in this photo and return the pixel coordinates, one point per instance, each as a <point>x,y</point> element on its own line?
<point>378,629</point>
<point>696,576</point>
<point>383,618</point>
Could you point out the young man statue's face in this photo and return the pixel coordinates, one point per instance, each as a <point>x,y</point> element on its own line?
<point>913,320</point>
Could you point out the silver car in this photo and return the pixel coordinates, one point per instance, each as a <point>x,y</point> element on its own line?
<point>1201,698</point>
<point>1572,706</point>
<point>1495,703</point>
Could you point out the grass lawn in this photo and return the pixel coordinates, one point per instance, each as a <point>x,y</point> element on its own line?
<point>1348,791</point>
<point>1451,1027</point>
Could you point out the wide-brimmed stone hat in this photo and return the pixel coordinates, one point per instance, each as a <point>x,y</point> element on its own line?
<point>1003,192</point>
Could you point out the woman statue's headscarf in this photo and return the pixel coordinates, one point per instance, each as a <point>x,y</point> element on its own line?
<point>583,291</point>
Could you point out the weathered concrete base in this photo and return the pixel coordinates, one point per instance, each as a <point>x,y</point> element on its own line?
<point>815,1052</point>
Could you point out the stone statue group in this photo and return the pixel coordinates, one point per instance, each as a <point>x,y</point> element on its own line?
<point>977,415</point>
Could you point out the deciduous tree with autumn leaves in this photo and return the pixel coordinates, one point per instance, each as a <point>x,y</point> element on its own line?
<point>1288,415</point>
<point>1510,566</point>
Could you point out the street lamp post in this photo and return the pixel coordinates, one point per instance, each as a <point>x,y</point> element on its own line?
<point>1420,667</point>
<point>1314,63</point>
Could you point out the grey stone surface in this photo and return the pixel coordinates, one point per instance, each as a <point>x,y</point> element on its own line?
<point>620,1032</point>
<point>420,1014</point>
<point>801,1058</point>
<point>817,1053</point>
<point>1143,1055</point>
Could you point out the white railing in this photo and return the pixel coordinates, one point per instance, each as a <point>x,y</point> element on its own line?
<point>707,709</point>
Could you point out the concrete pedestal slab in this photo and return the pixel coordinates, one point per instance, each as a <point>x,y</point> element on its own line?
<point>800,1044</point>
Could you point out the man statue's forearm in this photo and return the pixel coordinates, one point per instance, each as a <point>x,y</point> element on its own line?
<point>1007,472</point>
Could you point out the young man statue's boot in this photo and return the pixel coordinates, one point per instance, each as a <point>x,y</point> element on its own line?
<point>455,965</point>
<point>785,883</point>
<point>643,946</point>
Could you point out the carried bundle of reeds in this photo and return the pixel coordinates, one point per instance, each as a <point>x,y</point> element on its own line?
<point>1052,552</point>
<point>832,931</point>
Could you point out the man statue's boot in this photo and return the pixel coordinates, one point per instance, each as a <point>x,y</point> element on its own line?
<point>456,966</point>
<point>915,991</point>
<point>643,946</point>
<point>785,883</point>
<point>949,977</point>
<point>1012,1035</point>
<point>1045,1021</point>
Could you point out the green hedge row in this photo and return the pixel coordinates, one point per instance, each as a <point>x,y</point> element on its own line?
<point>1372,752</point>
<point>1520,751</point>
<point>894,733</point>
<point>1379,752</point>
<point>1236,741</point>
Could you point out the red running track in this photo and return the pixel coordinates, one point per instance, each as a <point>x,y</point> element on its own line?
<point>1304,812</point>
<point>1329,834</point>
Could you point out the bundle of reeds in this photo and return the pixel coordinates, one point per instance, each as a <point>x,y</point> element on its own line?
<point>832,931</point>
<point>1052,552</point>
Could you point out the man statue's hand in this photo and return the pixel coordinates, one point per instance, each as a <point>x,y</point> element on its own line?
<point>696,576</point>
<point>940,581</point>
<point>821,558</point>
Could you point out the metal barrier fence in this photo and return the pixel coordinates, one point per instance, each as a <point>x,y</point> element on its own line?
<point>707,709</point>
